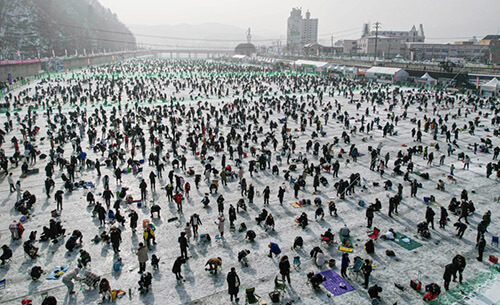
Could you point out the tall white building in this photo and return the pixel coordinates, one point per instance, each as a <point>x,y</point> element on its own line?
<point>301,31</point>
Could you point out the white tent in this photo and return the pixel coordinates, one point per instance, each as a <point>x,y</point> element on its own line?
<point>386,74</point>
<point>239,57</point>
<point>492,86</point>
<point>318,65</point>
<point>426,78</point>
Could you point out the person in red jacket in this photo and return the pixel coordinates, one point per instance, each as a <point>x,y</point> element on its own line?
<point>178,200</point>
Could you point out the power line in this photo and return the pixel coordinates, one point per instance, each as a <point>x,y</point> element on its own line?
<point>154,36</point>
<point>339,32</point>
<point>146,44</point>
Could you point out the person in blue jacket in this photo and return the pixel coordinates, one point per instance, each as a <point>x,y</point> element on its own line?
<point>274,248</point>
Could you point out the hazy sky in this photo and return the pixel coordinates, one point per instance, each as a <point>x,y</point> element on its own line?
<point>443,20</point>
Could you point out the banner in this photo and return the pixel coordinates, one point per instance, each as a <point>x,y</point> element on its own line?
<point>84,52</point>
<point>38,53</point>
<point>19,54</point>
<point>76,52</point>
<point>477,82</point>
<point>66,52</point>
<point>53,53</point>
<point>9,77</point>
<point>19,61</point>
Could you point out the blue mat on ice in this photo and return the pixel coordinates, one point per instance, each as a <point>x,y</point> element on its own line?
<point>57,272</point>
<point>334,282</point>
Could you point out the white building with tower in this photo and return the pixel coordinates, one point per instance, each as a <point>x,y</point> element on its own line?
<point>301,31</point>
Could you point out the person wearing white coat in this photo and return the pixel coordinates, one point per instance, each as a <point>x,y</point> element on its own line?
<point>188,231</point>
<point>320,259</point>
<point>220,225</point>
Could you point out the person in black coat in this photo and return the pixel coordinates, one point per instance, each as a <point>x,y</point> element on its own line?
<point>232,215</point>
<point>369,216</point>
<point>449,270</point>
<point>374,291</point>
<point>460,264</point>
<point>316,279</point>
<point>302,220</point>
<point>116,238</point>
<point>133,220</point>
<point>296,188</point>
<point>176,269</point>
<point>284,266</point>
<point>480,248</point>
<point>444,218</point>
<point>429,216</point>
<point>183,244</point>
<point>367,270</point>
<point>233,284</point>
<point>49,300</point>
<point>53,230</point>
<point>461,227</point>
<point>71,243</point>
<point>6,255</point>
<point>143,186</point>
<point>298,242</point>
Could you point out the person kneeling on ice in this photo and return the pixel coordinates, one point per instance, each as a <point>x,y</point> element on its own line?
<point>213,264</point>
<point>298,242</point>
<point>373,292</point>
<point>250,235</point>
<point>432,291</point>
<point>241,205</point>
<point>36,272</point>
<point>302,220</point>
<point>6,255</point>
<point>262,216</point>
<point>72,242</point>
<point>29,249</point>
<point>155,262</point>
<point>273,249</point>
<point>316,280</point>
<point>105,289</point>
<point>84,259</point>
<point>319,213</point>
<point>423,230</point>
<point>328,236</point>
<point>242,257</point>
<point>145,282</point>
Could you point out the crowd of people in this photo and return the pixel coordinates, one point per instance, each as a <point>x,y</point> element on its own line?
<point>116,144</point>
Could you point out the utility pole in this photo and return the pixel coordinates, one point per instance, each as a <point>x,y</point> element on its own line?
<point>332,52</point>
<point>377,26</point>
